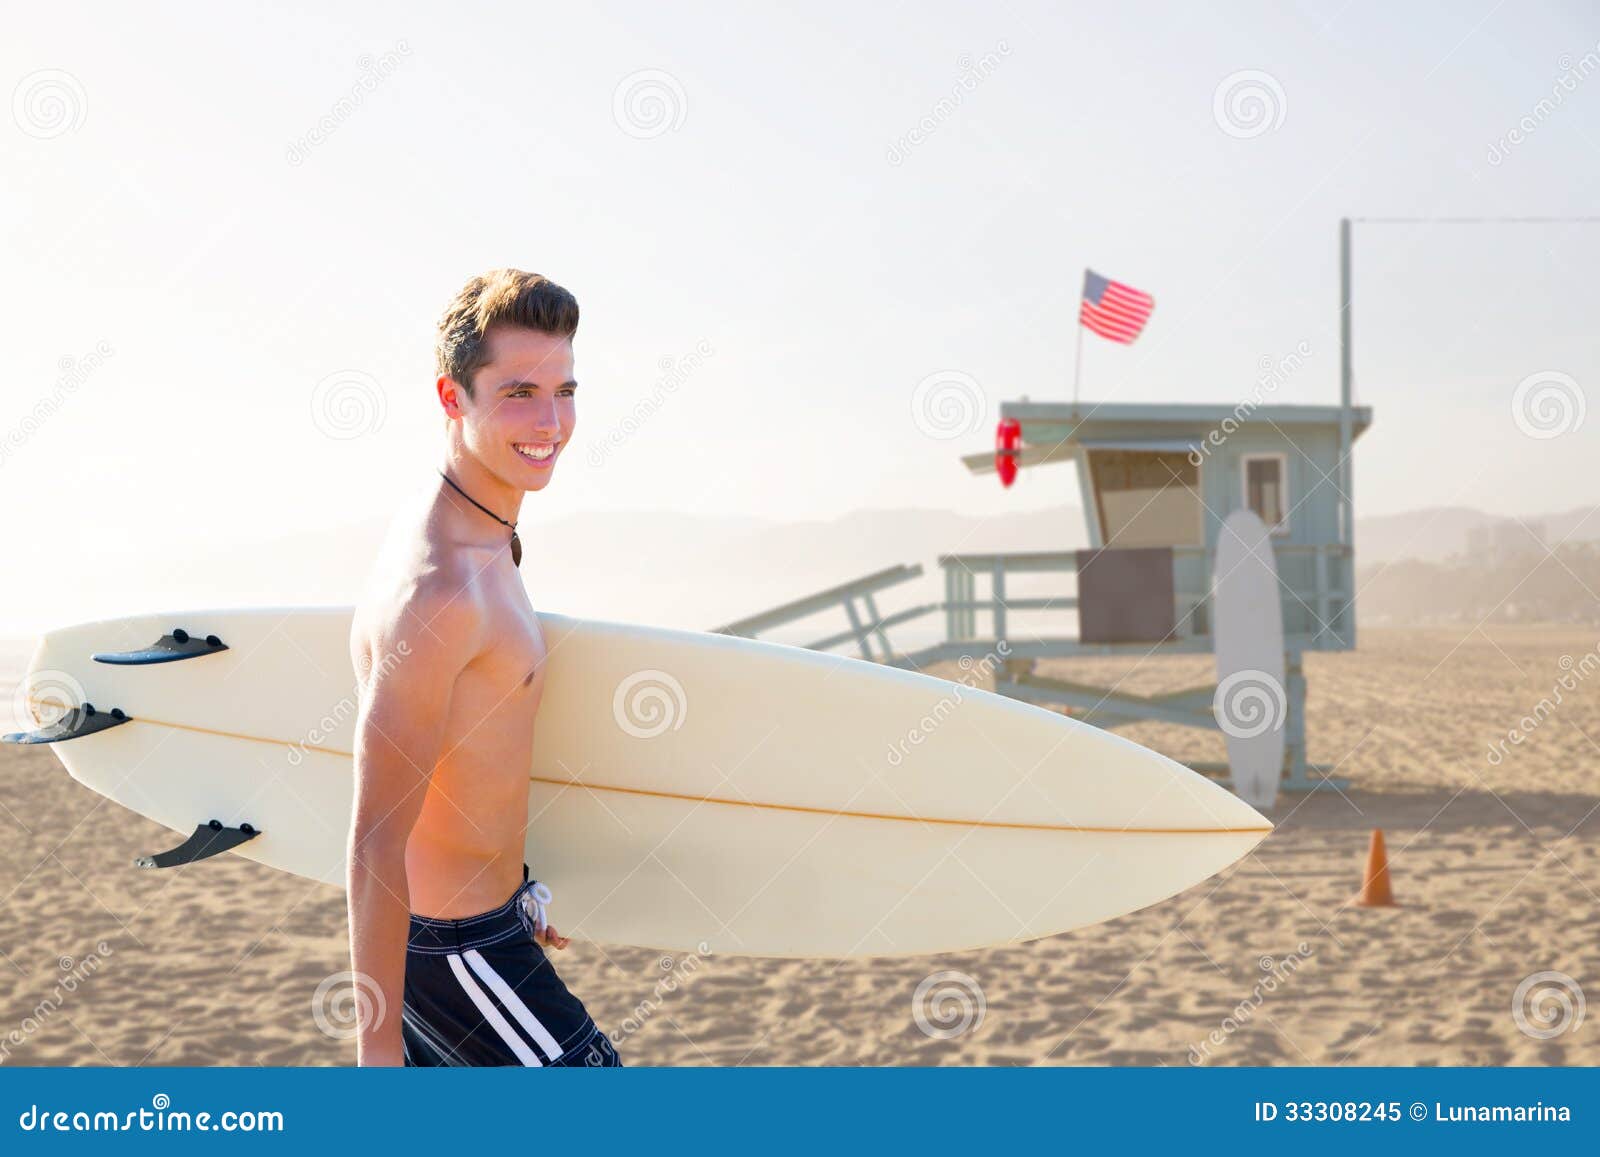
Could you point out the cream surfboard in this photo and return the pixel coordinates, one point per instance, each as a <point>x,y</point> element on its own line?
<point>686,789</point>
<point>1250,704</point>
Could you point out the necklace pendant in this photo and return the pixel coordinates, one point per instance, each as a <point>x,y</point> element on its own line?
<point>516,549</point>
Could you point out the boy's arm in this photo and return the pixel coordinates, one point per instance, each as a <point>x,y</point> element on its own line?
<point>400,731</point>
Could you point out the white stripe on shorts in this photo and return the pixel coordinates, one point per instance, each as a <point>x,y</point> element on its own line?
<point>492,1014</point>
<point>508,997</point>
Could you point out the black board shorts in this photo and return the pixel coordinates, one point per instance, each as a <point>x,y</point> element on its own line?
<point>480,991</point>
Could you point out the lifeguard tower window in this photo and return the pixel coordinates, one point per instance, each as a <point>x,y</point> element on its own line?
<point>1264,489</point>
<point>1146,497</point>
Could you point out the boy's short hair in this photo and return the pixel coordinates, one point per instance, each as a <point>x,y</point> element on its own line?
<point>507,297</point>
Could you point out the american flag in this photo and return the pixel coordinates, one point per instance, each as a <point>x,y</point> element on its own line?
<point>1112,309</point>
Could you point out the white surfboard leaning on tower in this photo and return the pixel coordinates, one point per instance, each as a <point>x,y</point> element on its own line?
<point>1251,702</point>
<point>687,789</point>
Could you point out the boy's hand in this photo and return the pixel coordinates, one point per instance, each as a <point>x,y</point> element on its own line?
<point>548,937</point>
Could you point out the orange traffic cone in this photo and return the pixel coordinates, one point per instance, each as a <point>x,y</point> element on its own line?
<point>1375,890</point>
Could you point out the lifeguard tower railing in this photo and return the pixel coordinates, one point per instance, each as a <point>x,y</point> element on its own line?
<point>867,626</point>
<point>1313,578</point>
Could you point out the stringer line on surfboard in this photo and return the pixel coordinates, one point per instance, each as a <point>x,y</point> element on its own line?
<point>758,804</point>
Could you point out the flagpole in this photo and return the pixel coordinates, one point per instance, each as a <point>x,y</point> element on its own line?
<point>1077,359</point>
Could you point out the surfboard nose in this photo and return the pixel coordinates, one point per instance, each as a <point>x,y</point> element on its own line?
<point>1227,810</point>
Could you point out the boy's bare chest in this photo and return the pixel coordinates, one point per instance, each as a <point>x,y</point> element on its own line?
<point>513,662</point>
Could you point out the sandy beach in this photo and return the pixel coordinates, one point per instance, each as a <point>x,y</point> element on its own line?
<point>1495,864</point>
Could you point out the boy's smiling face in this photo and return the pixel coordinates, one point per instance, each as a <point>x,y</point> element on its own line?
<point>522,408</point>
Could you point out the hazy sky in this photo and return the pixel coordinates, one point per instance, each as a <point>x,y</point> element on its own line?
<point>228,234</point>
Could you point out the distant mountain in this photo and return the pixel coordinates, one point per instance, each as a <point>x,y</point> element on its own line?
<point>700,571</point>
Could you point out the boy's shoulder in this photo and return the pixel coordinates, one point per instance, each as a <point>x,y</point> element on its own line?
<point>432,602</point>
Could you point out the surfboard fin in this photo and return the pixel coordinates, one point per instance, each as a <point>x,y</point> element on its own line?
<point>180,644</point>
<point>209,839</point>
<point>76,723</point>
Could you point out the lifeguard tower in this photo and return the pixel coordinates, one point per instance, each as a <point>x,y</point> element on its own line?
<point>1156,482</point>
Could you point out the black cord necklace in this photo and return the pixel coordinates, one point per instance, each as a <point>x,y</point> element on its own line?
<point>516,543</point>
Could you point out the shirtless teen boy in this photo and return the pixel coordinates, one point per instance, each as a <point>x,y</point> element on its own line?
<point>444,919</point>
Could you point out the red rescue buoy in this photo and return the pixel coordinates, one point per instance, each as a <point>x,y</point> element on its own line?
<point>1007,445</point>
